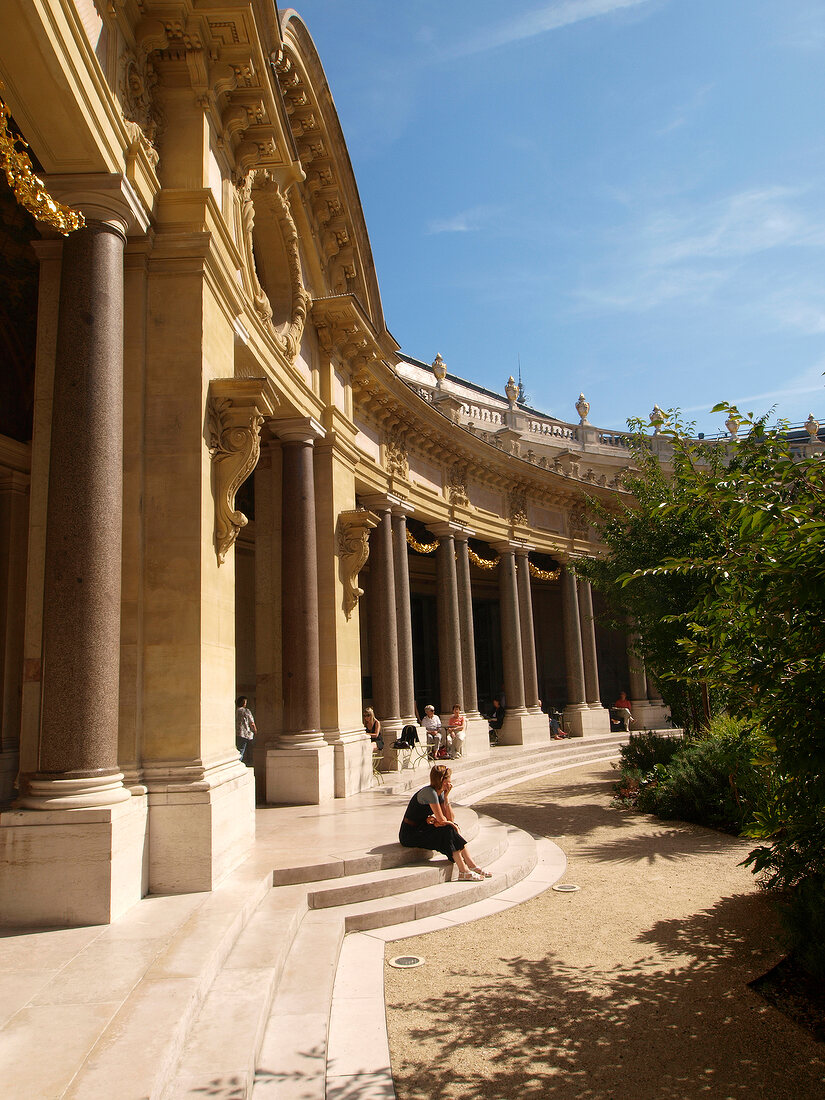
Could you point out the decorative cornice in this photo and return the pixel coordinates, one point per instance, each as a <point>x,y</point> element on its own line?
<point>236,410</point>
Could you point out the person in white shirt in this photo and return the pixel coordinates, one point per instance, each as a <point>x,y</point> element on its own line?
<point>432,725</point>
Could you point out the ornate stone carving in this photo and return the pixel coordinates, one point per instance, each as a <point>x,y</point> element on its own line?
<point>657,418</point>
<point>812,428</point>
<point>395,454</point>
<point>354,549</point>
<point>582,408</point>
<point>511,389</point>
<point>287,336</point>
<point>236,409</point>
<point>439,369</point>
<point>457,488</point>
<point>517,507</point>
<point>140,114</point>
<point>578,523</point>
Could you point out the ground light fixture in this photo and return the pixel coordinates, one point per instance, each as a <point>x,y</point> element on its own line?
<point>406,962</point>
<point>566,887</point>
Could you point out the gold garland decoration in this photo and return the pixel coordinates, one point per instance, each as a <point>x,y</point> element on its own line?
<point>543,574</point>
<point>422,547</point>
<point>29,189</point>
<point>482,563</point>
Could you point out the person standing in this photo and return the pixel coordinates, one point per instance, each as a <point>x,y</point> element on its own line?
<point>245,728</point>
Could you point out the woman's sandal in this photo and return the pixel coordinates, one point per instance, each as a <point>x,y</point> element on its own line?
<point>482,873</point>
<point>469,876</point>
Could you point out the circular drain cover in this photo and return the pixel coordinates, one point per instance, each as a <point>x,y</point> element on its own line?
<point>566,887</point>
<point>406,962</point>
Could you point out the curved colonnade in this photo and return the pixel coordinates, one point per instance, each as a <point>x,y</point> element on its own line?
<point>224,459</point>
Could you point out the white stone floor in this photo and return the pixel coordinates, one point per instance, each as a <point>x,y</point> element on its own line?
<point>95,1001</point>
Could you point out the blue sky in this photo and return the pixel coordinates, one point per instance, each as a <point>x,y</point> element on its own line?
<point>627,195</point>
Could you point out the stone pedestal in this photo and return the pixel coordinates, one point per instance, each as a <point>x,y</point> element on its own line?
<point>524,729</point>
<point>201,824</point>
<point>477,741</point>
<point>580,720</point>
<point>650,716</point>
<point>300,776</point>
<point>72,867</point>
<point>353,764</point>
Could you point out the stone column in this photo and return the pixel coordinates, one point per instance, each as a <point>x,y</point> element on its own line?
<point>87,865</point>
<point>449,629</point>
<point>300,769</point>
<point>466,626</point>
<point>511,633</point>
<point>77,759</point>
<point>384,640</point>
<point>14,507</point>
<point>588,632</point>
<point>574,657</point>
<point>636,672</point>
<point>528,637</point>
<point>403,615</point>
<point>649,711</point>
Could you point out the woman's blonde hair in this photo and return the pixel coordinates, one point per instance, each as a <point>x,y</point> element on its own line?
<point>369,712</point>
<point>438,774</point>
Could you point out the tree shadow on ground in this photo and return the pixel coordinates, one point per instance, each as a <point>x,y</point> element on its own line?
<point>546,819</point>
<point>692,1029</point>
<point>672,844</point>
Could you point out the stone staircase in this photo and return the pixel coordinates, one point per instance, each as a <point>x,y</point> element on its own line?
<point>232,994</point>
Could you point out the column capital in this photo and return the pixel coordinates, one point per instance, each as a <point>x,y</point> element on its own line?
<point>384,502</point>
<point>297,429</point>
<point>103,197</point>
<point>464,533</point>
<point>507,546</point>
<point>446,529</point>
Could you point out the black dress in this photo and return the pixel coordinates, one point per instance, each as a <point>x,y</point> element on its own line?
<point>416,833</point>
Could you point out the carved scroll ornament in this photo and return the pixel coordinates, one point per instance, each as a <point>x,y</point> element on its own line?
<point>354,549</point>
<point>236,410</point>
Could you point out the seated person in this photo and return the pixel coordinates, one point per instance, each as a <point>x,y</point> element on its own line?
<point>429,823</point>
<point>556,731</point>
<point>456,731</point>
<point>432,725</point>
<point>497,717</point>
<point>373,728</point>
<point>623,711</point>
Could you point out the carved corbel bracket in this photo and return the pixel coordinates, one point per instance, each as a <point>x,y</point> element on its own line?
<point>354,549</point>
<point>236,409</point>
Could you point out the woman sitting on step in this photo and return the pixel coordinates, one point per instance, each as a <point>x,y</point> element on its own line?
<point>429,823</point>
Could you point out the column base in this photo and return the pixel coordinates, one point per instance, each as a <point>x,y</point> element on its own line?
<point>353,765</point>
<point>477,741</point>
<point>73,867</point>
<point>300,777</point>
<point>580,720</point>
<point>201,824</point>
<point>650,716</point>
<point>9,765</point>
<point>524,729</point>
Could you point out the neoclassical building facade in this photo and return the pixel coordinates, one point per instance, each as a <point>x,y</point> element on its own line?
<point>219,475</point>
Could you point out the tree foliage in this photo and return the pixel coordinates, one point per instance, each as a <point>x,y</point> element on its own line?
<point>721,562</point>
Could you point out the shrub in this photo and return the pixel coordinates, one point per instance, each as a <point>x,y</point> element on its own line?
<point>644,750</point>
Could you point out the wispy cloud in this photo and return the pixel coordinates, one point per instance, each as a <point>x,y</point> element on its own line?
<point>466,221</point>
<point>809,381</point>
<point>688,253</point>
<point>549,17</point>
<point>687,111</point>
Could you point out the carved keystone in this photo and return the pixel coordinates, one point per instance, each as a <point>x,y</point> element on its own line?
<point>235,410</point>
<point>354,549</point>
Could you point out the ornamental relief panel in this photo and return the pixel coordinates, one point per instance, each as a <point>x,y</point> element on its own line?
<point>396,458</point>
<point>457,487</point>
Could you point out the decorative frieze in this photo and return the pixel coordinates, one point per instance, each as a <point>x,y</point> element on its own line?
<point>396,457</point>
<point>457,488</point>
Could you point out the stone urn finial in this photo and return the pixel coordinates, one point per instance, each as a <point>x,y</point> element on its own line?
<point>582,408</point>
<point>439,369</point>
<point>732,424</point>
<point>657,418</point>
<point>511,389</point>
<point>812,428</point>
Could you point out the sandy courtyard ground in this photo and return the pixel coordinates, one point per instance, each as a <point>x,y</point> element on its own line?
<point>634,988</point>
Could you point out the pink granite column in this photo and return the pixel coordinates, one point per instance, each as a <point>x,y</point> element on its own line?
<point>403,615</point>
<point>574,657</point>
<point>510,633</point>
<point>77,757</point>
<point>449,634</point>
<point>466,627</point>
<point>384,640</point>
<point>528,637</point>
<point>299,591</point>
<point>588,632</point>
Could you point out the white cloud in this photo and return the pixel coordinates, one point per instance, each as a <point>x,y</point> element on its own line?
<point>549,17</point>
<point>467,221</point>
<point>809,381</point>
<point>686,112</point>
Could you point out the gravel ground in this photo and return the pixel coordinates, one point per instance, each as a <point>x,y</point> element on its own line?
<point>634,987</point>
